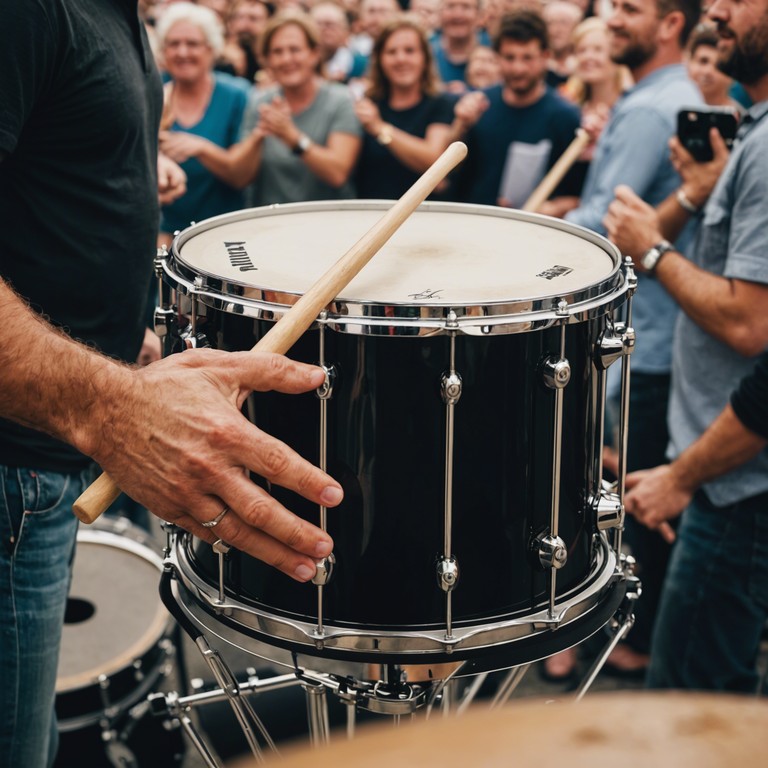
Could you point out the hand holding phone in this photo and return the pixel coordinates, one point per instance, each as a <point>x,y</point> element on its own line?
<point>694,124</point>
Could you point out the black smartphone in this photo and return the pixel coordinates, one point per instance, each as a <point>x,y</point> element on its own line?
<point>693,126</point>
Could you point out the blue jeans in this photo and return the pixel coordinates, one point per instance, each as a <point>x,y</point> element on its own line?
<point>646,447</point>
<point>715,599</point>
<point>38,541</point>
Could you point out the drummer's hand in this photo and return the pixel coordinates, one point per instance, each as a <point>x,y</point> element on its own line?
<point>656,496</point>
<point>275,119</point>
<point>632,224</point>
<point>173,437</point>
<point>171,180</point>
<point>699,179</point>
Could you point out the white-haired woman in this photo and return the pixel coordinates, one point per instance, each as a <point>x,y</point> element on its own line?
<point>201,105</point>
<point>300,137</point>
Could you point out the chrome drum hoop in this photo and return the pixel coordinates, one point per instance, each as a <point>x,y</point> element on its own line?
<point>195,593</point>
<point>432,316</point>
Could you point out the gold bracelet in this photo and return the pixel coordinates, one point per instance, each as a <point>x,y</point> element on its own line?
<point>385,135</point>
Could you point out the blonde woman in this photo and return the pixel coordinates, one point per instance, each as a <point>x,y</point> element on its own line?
<point>597,82</point>
<point>594,87</point>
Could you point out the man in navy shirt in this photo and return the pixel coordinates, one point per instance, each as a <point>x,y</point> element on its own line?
<point>515,131</point>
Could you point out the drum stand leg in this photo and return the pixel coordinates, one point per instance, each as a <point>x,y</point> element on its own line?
<point>197,741</point>
<point>509,685</point>
<point>351,718</point>
<point>621,624</point>
<point>244,712</point>
<point>317,714</point>
<point>471,692</point>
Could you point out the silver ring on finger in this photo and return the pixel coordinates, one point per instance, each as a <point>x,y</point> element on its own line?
<point>216,520</point>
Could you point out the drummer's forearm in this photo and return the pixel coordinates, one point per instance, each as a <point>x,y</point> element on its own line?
<point>51,382</point>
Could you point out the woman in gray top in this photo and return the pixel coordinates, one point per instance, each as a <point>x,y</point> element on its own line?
<point>300,138</point>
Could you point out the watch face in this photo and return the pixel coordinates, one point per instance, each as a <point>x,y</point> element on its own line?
<point>650,257</point>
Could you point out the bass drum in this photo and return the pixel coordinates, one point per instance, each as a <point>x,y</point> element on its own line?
<point>116,649</point>
<point>464,421</point>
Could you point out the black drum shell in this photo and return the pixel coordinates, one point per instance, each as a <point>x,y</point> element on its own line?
<point>386,445</point>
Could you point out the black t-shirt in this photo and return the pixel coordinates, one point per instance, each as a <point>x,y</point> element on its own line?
<point>80,103</point>
<point>380,175</point>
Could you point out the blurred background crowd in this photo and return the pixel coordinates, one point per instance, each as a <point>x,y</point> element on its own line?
<point>296,101</point>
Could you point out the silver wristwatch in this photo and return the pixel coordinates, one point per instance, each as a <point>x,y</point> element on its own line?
<point>651,257</point>
<point>302,145</point>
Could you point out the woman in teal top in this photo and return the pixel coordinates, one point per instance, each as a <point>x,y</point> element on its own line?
<point>201,106</point>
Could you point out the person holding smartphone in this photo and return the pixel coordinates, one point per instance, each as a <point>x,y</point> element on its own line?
<point>715,600</point>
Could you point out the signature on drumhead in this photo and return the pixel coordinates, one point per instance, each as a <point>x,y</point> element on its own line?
<point>556,271</point>
<point>428,294</point>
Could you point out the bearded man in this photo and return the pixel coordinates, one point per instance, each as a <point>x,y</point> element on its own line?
<point>715,600</point>
<point>649,37</point>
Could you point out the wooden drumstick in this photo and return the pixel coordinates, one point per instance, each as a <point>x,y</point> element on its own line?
<point>282,336</point>
<point>559,169</point>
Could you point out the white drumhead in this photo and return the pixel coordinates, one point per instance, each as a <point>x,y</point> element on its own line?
<point>110,621</point>
<point>444,254</point>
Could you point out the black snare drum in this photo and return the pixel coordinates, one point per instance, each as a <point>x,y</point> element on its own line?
<point>466,372</point>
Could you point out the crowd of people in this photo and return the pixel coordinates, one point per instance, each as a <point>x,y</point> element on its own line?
<point>259,103</point>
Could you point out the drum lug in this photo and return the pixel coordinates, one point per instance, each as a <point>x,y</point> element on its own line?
<point>324,570</point>
<point>222,550</point>
<point>557,372</point>
<point>200,283</point>
<point>447,573</point>
<point>551,551</point>
<point>325,390</point>
<point>161,255</point>
<point>166,326</point>
<point>608,510</point>
<point>451,387</point>
<point>614,342</point>
<point>165,322</point>
<point>192,340</point>
<point>451,320</point>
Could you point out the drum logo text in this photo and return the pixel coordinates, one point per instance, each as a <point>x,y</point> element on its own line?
<point>556,271</point>
<point>239,257</point>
